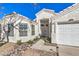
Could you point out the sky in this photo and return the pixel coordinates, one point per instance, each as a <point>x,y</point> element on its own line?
<point>30,9</point>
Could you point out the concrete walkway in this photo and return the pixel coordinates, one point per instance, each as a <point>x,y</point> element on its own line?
<point>40,46</point>
<point>63,49</point>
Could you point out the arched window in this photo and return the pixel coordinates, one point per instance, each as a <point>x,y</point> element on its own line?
<point>23,29</point>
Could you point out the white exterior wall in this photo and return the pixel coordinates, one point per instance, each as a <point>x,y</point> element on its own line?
<point>53,33</point>
<point>15,37</point>
<point>67,38</point>
<point>16,31</point>
<point>25,38</point>
<point>36,33</point>
<point>71,15</point>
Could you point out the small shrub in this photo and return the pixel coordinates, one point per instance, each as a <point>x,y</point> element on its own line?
<point>49,40</point>
<point>35,39</point>
<point>19,42</point>
<point>30,42</point>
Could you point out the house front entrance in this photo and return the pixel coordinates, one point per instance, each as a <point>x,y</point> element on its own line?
<point>44,27</point>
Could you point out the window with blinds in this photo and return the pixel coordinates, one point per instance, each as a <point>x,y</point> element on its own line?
<point>33,29</point>
<point>23,29</point>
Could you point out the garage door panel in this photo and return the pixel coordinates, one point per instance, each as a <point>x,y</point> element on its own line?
<point>68,34</point>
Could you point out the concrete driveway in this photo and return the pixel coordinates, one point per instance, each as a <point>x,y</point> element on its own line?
<point>64,50</point>
<point>68,50</point>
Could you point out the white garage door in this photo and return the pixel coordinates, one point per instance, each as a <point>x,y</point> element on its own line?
<point>68,34</point>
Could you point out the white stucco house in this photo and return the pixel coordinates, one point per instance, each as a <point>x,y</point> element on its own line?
<point>24,29</point>
<point>67,26</point>
<point>62,27</point>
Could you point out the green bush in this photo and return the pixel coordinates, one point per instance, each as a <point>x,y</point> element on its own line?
<point>35,39</point>
<point>19,42</point>
<point>49,40</point>
<point>30,42</point>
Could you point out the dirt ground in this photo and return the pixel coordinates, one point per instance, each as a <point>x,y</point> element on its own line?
<point>12,49</point>
<point>34,52</point>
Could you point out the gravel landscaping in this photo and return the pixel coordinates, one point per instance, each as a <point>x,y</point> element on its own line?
<point>12,49</point>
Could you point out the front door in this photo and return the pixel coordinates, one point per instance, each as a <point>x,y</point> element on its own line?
<point>45,27</point>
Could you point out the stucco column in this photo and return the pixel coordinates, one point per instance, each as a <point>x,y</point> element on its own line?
<point>53,36</point>
<point>39,27</point>
<point>55,29</point>
<point>50,27</point>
